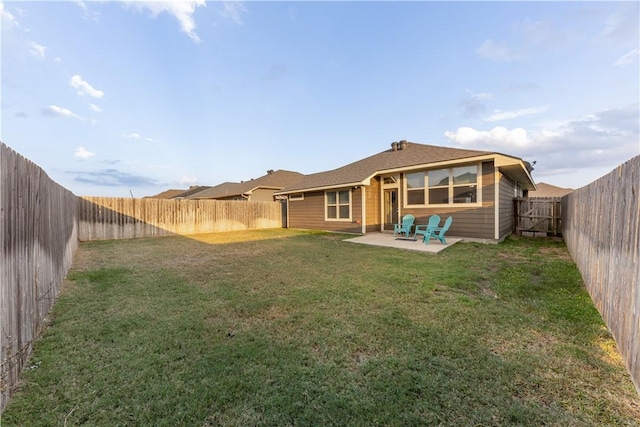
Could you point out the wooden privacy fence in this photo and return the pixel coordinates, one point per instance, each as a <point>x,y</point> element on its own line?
<point>538,216</point>
<point>601,227</point>
<point>103,218</point>
<point>39,237</point>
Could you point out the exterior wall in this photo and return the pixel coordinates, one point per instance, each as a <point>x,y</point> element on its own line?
<point>309,214</point>
<point>374,206</point>
<point>262,195</point>
<point>476,221</point>
<point>507,188</point>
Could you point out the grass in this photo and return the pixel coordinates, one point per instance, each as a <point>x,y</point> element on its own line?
<point>283,327</point>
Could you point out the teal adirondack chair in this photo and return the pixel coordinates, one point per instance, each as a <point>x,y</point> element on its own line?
<point>405,227</point>
<point>434,220</point>
<point>438,232</point>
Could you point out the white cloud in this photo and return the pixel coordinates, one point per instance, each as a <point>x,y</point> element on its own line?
<point>94,107</point>
<point>37,50</point>
<point>627,58</point>
<point>233,10</point>
<point>499,115</point>
<point>188,181</point>
<point>499,138</point>
<point>133,135</point>
<point>83,154</point>
<point>605,138</point>
<point>498,52</point>
<point>182,10</point>
<point>56,111</point>
<point>8,20</point>
<point>85,88</point>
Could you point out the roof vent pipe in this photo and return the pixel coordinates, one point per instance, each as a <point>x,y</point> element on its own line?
<point>402,145</point>
<point>394,146</point>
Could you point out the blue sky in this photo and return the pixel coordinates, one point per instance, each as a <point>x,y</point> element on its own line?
<point>116,98</point>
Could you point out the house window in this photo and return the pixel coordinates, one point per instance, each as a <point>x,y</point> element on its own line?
<point>338,205</point>
<point>443,186</point>
<point>296,197</point>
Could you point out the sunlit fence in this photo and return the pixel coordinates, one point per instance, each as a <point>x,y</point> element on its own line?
<point>38,219</point>
<point>103,218</point>
<point>601,227</point>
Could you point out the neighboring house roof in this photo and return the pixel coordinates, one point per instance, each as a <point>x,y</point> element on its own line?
<point>195,189</point>
<point>274,180</point>
<point>167,194</point>
<point>548,190</point>
<point>392,160</point>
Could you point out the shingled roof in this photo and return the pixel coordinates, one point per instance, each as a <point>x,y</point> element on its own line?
<point>355,173</point>
<point>275,180</point>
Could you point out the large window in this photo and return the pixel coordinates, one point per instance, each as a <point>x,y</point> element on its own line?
<point>338,205</point>
<point>443,186</point>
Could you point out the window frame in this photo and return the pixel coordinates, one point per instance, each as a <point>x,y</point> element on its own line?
<point>295,197</point>
<point>338,205</point>
<point>450,187</point>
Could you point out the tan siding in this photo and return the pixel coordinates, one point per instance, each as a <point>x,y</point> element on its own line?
<point>476,221</point>
<point>262,195</point>
<point>373,205</point>
<point>309,214</point>
<point>507,190</point>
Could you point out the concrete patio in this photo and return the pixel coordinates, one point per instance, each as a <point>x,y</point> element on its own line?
<point>399,242</point>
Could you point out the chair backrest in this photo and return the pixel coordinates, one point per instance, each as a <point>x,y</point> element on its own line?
<point>434,220</point>
<point>407,221</point>
<point>446,226</point>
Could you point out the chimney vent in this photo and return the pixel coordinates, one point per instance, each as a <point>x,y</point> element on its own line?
<point>402,144</point>
<point>394,146</point>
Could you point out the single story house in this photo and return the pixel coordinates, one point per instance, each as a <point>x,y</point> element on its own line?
<point>545,190</point>
<point>475,187</point>
<point>257,190</point>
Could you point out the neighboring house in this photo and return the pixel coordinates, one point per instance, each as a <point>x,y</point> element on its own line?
<point>167,194</point>
<point>194,189</point>
<point>260,189</point>
<point>547,190</point>
<point>476,188</point>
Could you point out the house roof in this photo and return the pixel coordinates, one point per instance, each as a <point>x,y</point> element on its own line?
<point>167,194</point>
<point>191,191</point>
<point>275,180</point>
<point>412,156</point>
<point>548,190</point>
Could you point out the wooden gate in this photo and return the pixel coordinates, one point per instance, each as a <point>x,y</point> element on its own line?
<point>538,216</point>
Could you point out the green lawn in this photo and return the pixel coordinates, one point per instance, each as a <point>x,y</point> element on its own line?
<point>283,327</point>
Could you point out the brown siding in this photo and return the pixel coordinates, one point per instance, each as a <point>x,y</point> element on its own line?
<point>309,214</point>
<point>475,222</point>
<point>507,191</point>
<point>373,202</point>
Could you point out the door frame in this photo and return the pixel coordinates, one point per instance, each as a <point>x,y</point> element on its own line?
<point>389,183</point>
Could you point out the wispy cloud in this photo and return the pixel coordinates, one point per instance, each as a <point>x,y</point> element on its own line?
<point>499,115</point>
<point>37,50</point>
<point>474,104</point>
<point>233,10</point>
<point>83,153</point>
<point>182,10</point>
<point>136,135</point>
<point>188,181</point>
<point>7,18</point>
<point>94,107</point>
<point>499,52</point>
<point>56,111</point>
<point>628,58</point>
<point>113,178</point>
<point>84,88</point>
